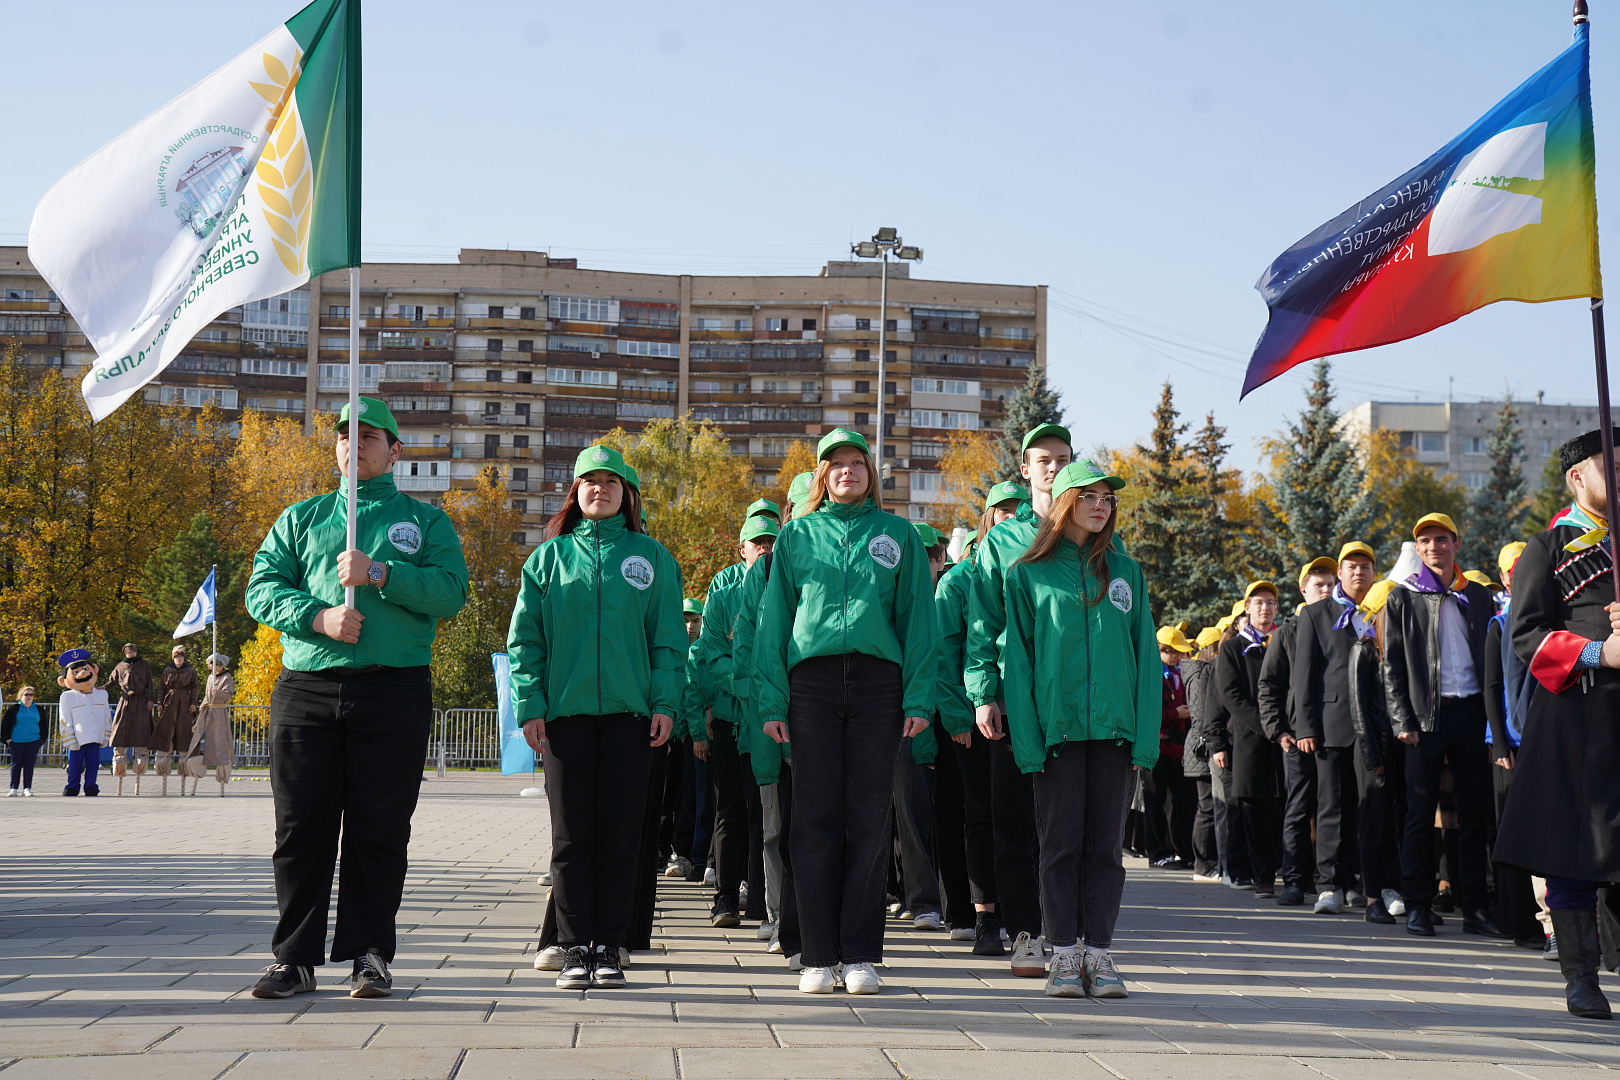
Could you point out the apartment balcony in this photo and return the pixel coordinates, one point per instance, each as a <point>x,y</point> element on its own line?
<point>394,322</point>
<point>939,337</point>
<point>605,330</point>
<point>582,423</point>
<point>35,307</point>
<point>649,333</point>
<point>497,420</point>
<point>539,325</point>
<point>500,356</point>
<point>788,335</point>
<point>786,397</point>
<point>424,417</point>
<point>474,451</point>
<point>722,335</point>
<point>1006,341</point>
<point>481,386</point>
<point>422,483</point>
<point>397,388</point>
<point>646,393</point>
<point>423,453</point>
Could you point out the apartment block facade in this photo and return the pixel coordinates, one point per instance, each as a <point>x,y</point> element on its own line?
<point>517,360</point>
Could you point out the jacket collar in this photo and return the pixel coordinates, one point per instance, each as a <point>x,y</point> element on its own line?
<point>378,487</point>
<point>607,529</point>
<point>848,511</point>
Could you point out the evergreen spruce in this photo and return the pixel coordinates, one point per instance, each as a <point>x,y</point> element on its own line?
<point>170,582</point>
<point>1318,485</point>
<point>1205,538</point>
<point>1498,512</point>
<point>1552,493</point>
<point>1167,505</point>
<point>1030,405</point>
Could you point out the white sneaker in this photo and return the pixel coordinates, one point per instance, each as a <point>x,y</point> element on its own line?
<point>543,879</point>
<point>766,929</point>
<point>1067,977</point>
<point>1027,961</point>
<point>1393,901</point>
<point>28,792</point>
<point>1212,879</point>
<point>818,980</point>
<point>964,933</point>
<point>928,920</point>
<point>550,959</point>
<point>708,877</point>
<point>794,962</point>
<point>1101,976</point>
<point>11,793</point>
<point>1329,902</point>
<point>624,957</point>
<point>861,979</point>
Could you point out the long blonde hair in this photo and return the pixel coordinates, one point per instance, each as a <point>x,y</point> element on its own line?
<point>1044,546</point>
<point>987,521</point>
<point>818,486</point>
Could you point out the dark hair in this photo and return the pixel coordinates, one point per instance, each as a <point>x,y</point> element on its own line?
<point>1095,549</point>
<point>564,520</point>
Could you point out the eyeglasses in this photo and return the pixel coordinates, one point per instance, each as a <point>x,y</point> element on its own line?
<point>1090,500</point>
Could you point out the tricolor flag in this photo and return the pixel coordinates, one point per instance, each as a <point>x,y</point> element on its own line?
<point>238,189</point>
<point>1506,211</point>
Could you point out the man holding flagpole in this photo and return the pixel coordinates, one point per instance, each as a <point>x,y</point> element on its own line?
<point>350,714</point>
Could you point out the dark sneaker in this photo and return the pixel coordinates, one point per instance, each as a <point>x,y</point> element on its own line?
<point>284,980</point>
<point>606,974</point>
<point>1551,951</point>
<point>70,791</point>
<point>91,792</point>
<point>1378,913</point>
<point>1291,896</point>
<point>1163,862</point>
<point>576,969</point>
<point>370,978</point>
<point>987,935</point>
<point>724,915</point>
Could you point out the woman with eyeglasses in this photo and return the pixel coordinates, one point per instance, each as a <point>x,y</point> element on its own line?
<point>22,728</point>
<point>1083,708</point>
<point>597,645</point>
<point>846,663</point>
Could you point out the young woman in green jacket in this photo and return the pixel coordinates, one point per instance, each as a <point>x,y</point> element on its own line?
<point>1083,707</point>
<point>597,644</point>
<point>845,656</point>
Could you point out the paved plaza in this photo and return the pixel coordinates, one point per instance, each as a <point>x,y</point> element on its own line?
<point>131,930</point>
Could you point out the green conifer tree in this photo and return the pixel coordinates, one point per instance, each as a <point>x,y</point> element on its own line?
<point>1169,502</point>
<point>170,581</point>
<point>1030,405</point>
<point>1318,485</point>
<point>1552,493</point>
<point>1498,512</point>
<point>1205,539</point>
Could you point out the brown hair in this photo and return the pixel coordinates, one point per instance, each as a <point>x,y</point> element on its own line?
<point>818,486</point>
<point>987,522</point>
<point>564,520</point>
<point>1044,546</point>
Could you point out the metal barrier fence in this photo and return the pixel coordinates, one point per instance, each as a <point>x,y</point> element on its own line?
<point>460,739</point>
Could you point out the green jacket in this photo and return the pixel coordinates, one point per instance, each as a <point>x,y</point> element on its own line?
<point>764,753</point>
<point>598,627</point>
<point>689,721</point>
<point>295,576</point>
<point>1077,671</point>
<point>847,579</point>
<point>715,647</point>
<point>950,608</point>
<point>987,615</point>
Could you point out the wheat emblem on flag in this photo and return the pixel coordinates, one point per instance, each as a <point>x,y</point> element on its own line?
<point>283,172</point>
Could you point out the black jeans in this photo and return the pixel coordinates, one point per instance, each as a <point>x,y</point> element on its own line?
<point>731,815</point>
<point>1081,799</point>
<point>1206,855</point>
<point>1515,893</point>
<point>346,758</point>
<point>1338,833</point>
<point>914,832</point>
<point>754,910</point>
<point>671,758</point>
<point>950,850</point>
<point>1299,807</point>
<point>649,865</point>
<point>23,756</point>
<point>1231,842</point>
<point>978,834</point>
<point>844,720</point>
<point>1012,823</point>
<point>1170,830</point>
<point>1458,740</point>
<point>596,783</point>
<point>787,926</point>
<point>1379,817</point>
<point>1262,828</point>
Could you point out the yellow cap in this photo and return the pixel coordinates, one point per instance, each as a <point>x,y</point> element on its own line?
<point>1319,565</point>
<point>1441,520</point>
<point>1480,577</point>
<point>1373,602</point>
<point>1240,606</point>
<point>1209,635</point>
<point>1254,587</point>
<point>1356,547</point>
<point>1509,556</point>
<point>1171,637</point>
<point>1223,622</point>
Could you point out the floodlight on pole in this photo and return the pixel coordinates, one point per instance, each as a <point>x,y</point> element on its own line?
<point>882,243</point>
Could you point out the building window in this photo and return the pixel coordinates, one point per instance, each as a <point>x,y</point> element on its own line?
<point>932,418</point>
<point>525,376</point>
<point>891,325</point>
<point>1544,447</point>
<point>495,345</point>
<point>294,368</point>
<point>742,325</point>
<point>568,438</point>
<point>943,386</point>
<point>520,442</point>
<point>1431,442</point>
<point>809,324</point>
<point>786,414</point>
<point>1473,481</point>
<point>705,324</point>
<point>492,375</point>
<point>775,326</point>
<point>496,312</point>
<point>863,356</point>
<point>526,313</point>
<point>525,345</point>
<point>520,538</point>
<point>1473,444</point>
<point>643,313</point>
<point>582,309</point>
<point>706,386</point>
<point>644,410</point>
<point>863,324</point>
<point>926,449</point>
<point>628,347</point>
<point>492,408</point>
<point>582,377</point>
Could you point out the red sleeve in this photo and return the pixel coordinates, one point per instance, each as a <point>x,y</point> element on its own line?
<point>1554,664</point>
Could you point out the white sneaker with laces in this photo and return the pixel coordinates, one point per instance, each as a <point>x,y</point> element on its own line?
<point>766,929</point>
<point>1027,961</point>
<point>708,877</point>
<point>1329,902</point>
<point>1393,902</point>
<point>964,933</point>
<point>1102,978</point>
<point>624,957</point>
<point>11,793</point>
<point>543,879</point>
<point>1067,977</point>
<point>928,920</point>
<point>818,980</point>
<point>28,792</point>
<point>1212,879</point>
<point>861,979</point>
<point>550,959</point>
<point>795,963</point>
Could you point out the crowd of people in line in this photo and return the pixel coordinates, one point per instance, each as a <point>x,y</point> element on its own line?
<point>848,726</point>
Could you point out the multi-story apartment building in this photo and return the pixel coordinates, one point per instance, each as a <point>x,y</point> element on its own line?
<point>515,359</point>
<point>1450,436</point>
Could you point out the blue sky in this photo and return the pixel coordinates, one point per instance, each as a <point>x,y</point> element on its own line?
<point>1144,161</point>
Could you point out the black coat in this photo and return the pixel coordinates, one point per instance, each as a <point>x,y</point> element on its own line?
<point>1321,685</point>
<point>1412,652</point>
<point>1276,673</point>
<point>1195,675</point>
<point>1256,760</point>
<point>1563,811</point>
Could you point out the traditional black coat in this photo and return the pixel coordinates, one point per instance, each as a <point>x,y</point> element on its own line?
<point>1256,760</point>
<point>1563,812</point>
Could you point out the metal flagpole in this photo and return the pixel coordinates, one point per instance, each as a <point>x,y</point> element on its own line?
<point>213,570</point>
<point>354,417</point>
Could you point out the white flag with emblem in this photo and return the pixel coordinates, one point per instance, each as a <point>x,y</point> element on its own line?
<point>201,612</point>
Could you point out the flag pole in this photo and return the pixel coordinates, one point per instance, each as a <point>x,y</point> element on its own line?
<point>354,417</point>
<point>213,570</point>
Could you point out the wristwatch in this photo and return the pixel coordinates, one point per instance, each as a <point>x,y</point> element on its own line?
<point>375,575</point>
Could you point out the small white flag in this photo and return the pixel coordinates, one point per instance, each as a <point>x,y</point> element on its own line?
<point>201,612</point>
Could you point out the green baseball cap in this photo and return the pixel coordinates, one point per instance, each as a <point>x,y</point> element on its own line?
<point>764,506</point>
<point>1000,493</point>
<point>840,437</point>
<point>755,527</point>
<point>692,607</point>
<point>1041,431</point>
<point>930,535</point>
<point>372,412</point>
<point>593,458</point>
<point>1079,474</point>
<point>800,487</point>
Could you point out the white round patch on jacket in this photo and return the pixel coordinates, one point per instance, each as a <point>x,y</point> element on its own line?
<point>1119,594</point>
<point>884,551</point>
<point>406,537</point>
<point>637,571</point>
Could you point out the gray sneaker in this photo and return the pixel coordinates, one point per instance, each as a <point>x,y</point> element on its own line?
<point>1101,976</point>
<point>284,980</point>
<point>370,978</point>
<point>1067,975</point>
<point>1329,902</point>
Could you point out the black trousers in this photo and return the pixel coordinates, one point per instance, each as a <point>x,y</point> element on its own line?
<point>1171,804</point>
<point>1379,820</point>
<point>649,863</point>
<point>1299,807</point>
<point>755,908</point>
<point>596,783</point>
<point>1081,799</point>
<point>346,758</point>
<point>1338,835</point>
<point>950,848</point>
<point>1206,854</point>
<point>844,720</point>
<point>672,761</point>
<point>1012,823</point>
<point>787,926</point>
<point>978,832</point>
<point>1459,741</point>
<point>1231,842</point>
<point>727,767</point>
<point>1515,894</point>
<point>914,832</point>
<point>1262,825</point>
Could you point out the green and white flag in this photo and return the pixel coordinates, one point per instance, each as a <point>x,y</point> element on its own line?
<point>238,189</point>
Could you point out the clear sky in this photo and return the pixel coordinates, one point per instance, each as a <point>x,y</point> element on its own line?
<point>1145,161</point>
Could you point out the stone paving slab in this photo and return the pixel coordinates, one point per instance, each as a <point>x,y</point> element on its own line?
<point>138,964</point>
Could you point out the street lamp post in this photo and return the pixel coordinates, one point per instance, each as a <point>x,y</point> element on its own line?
<point>882,243</point>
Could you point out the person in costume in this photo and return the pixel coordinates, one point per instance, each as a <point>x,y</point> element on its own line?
<point>1561,820</point>
<point>132,720</point>
<point>174,713</point>
<point>85,720</point>
<point>213,728</point>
